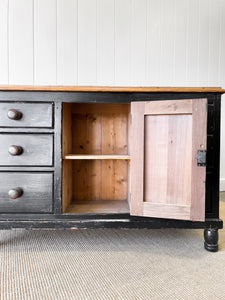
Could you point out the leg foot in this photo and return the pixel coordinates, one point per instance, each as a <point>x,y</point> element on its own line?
<point>211,239</point>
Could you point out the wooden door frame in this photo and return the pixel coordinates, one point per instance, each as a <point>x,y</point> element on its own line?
<point>198,109</point>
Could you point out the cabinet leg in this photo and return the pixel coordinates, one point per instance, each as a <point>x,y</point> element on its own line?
<point>211,239</point>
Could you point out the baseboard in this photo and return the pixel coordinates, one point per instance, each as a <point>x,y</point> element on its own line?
<point>222,184</point>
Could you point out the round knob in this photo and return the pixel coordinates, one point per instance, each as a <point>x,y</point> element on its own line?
<point>14,114</point>
<point>15,150</point>
<point>15,193</point>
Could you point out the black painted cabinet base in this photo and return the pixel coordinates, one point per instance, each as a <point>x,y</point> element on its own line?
<point>114,221</point>
<point>211,239</point>
<point>45,211</point>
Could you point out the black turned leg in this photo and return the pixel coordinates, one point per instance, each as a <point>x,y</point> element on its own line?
<point>211,239</point>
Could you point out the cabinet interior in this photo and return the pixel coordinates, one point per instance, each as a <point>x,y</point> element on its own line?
<point>96,158</point>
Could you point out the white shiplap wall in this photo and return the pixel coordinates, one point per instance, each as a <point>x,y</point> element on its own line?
<point>114,42</point>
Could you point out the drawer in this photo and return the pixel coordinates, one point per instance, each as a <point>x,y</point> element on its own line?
<point>22,192</point>
<point>26,114</point>
<point>26,149</point>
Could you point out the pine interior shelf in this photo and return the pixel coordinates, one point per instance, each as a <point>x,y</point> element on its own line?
<point>96,160</point>
<point>100,157</point>
<point>100,206</point>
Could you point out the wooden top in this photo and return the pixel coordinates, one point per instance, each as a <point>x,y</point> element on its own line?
<point>110,88</point>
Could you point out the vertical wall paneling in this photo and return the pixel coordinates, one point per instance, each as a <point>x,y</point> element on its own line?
<point>87,46</point>
<point>203,43</point>
<point>67,42</point>
<point>105,42</point>
<point>153,43</point>
<point>221,38</point>
<point>222,83</point>
<point>180,36</point>
<point>138,42</point>
<point>45,42</point>
<point>192,42</point>
<point>4,42</point>
<point>20,42</point>
<point>167,42</point>
<point>214,30</point>
<point>122,42</point>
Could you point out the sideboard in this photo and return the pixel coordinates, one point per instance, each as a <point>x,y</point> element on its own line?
<point>110,157</point>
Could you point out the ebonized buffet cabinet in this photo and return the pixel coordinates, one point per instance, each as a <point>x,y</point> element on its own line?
<point>110,157</point>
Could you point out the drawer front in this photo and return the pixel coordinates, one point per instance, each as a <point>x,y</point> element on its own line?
<point>26,149</point>
<point>26,114</point>
<point>36,192</point>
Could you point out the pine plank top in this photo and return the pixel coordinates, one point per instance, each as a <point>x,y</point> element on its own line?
<point>110,88</point>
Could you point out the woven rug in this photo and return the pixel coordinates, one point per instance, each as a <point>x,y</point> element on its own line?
<point>110,264</point>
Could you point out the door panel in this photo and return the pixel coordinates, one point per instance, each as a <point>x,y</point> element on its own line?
<point>166,157</point>
<point>165,179</point>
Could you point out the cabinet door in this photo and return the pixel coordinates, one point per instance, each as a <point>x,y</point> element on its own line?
<point>168,144</point>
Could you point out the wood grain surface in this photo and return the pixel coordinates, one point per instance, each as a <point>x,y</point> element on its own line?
<point>110,88</point>
<point>199,141</point>
<point>165,179</point>
<point>95,139</point>
<point>137,158</point>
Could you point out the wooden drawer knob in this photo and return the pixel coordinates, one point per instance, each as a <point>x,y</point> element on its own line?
<point>15,193</point>
<point>15,150</point>
<point>14,114</point>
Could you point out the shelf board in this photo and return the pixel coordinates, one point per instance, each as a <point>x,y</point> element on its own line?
<point>98,206</point>
<point>93,156</point>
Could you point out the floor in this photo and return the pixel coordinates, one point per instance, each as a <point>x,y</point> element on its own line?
<point>111,264</point>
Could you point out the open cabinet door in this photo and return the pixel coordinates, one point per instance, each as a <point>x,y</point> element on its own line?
<point>168,150</point>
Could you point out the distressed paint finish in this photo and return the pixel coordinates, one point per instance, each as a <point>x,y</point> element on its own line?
<point>32,115</point>
<point>50,216</point>
<point>36,196</point>
<point>37,149</point>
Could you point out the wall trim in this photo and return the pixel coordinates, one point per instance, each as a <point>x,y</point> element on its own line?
<point>222,184</point>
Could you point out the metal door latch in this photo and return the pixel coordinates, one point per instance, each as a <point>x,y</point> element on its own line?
<point>201,158</point>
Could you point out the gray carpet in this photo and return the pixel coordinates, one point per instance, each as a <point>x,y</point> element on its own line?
<point>110,264</point>
<point>222,196</point>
